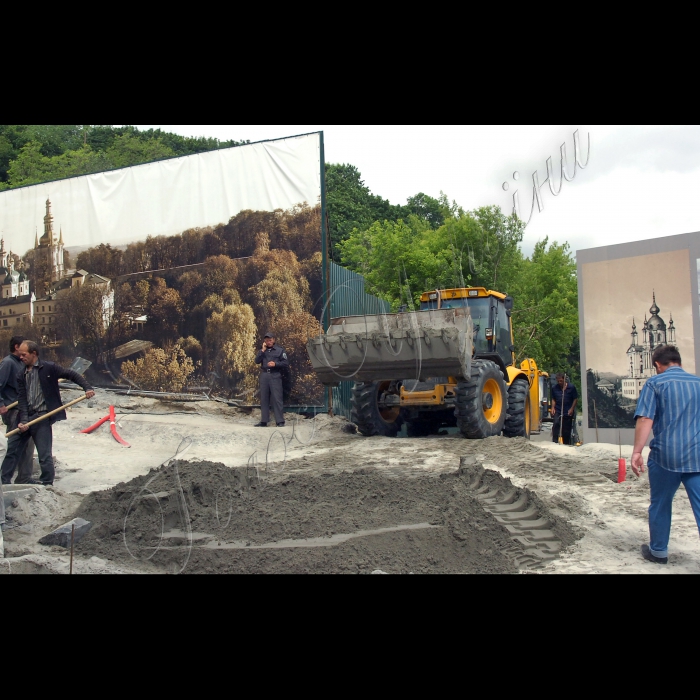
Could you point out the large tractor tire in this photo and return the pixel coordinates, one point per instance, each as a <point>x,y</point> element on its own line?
<point>368,416</point>
<point>518,420</point>
<point>482,401</point>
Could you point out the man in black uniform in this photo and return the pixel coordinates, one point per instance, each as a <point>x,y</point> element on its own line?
<point>564,400</point>
<point>272,360</point>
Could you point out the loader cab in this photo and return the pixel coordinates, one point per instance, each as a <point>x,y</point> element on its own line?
<point>490,312</point>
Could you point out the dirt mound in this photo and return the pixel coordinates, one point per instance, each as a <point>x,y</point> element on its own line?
<point>203,517</point>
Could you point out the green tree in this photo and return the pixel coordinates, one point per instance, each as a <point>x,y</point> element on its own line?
<point>433,211</point>
<point>350,204</point>
<point>127,150</point>
<point>31,167</point>
<point>402,259</point>
<point>67,150</point>
<point>545,312</point>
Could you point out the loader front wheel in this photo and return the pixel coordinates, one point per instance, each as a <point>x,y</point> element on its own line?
<point>482,401</point>
<point>518,421</point>
<point>369,411</point>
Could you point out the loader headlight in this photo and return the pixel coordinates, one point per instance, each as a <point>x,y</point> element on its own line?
<point>432,297</point>
<point>473,292</point>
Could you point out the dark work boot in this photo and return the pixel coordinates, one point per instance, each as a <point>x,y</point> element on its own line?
<point>646,553</point>
<point>260,425</point>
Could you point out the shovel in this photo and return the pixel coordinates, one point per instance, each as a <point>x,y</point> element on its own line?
<point>47,415</point>
<point>561,423</point>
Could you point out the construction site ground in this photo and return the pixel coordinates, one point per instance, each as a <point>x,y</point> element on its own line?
<point>202,490</point>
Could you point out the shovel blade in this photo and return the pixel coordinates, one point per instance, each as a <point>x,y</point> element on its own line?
<point>80,364</point>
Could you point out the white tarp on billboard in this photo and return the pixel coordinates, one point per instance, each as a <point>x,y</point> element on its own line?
<point>167,197</point>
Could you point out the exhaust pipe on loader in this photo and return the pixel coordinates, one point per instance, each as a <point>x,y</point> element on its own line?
<point>409,345</point>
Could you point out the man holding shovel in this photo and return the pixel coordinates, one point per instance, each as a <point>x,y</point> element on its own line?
<point>564,400</point>
<point>38,395</point>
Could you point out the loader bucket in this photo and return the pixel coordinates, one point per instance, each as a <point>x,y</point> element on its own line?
<point>412,345</point>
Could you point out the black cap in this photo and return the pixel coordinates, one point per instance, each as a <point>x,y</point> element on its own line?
<point>268,335</point>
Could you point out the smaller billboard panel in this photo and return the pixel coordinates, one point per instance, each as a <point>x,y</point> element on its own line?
<point>632,305</point>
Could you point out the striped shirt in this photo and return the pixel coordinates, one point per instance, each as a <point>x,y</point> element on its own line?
<point>35,396</point>
<point>672,400</point>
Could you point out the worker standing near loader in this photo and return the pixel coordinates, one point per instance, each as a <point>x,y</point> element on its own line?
<point>564,400</point>
<point>272,360</point>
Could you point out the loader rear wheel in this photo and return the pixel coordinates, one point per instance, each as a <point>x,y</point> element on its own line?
<point>482,401</point>
<point>518,421</point>
<point>368,412</point>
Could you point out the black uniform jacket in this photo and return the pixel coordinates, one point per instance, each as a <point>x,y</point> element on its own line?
<point>274,354</point>
<point>49,374</point>
<point>10,367</point>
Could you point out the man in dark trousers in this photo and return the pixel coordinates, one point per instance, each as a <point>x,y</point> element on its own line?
<point>272,360</point>
<point>10,367</point>
<point>39,394</point>
<point>564,400</point>
<point>669,404</point>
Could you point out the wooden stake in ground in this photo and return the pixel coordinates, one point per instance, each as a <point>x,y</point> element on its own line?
<point>595,415</point>
<point>561,409</point>
<point>46,415</point>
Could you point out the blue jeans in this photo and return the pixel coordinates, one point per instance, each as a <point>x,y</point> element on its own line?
<point>664,484</point>
<point>42,435</point>
<point>19,455</point>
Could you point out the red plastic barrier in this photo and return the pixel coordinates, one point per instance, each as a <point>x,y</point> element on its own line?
<point>113,427</point>
<point>97,425</point>
<point>112,418</point>
<point>621,470</point>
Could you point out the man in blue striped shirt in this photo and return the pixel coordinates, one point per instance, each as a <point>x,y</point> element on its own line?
<point>669,403</point>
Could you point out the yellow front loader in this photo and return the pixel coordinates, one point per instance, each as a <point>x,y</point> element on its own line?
<point>450,363</point>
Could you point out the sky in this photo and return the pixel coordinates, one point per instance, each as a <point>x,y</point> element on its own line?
<point>640,182</point>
